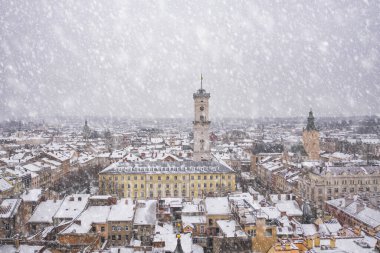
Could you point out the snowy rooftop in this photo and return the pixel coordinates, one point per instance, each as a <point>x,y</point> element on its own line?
<point>217,206</point>
<point>9,207</point>
<point>93,214</point>
<point>346,245</point>
<point>72,206</point>
<point>368,216</point>
<point>23,249</point>
<point>270,212</point>
<point>32,195</point>
<point>45,211</point>
<point>190,220</point>
<point>191,207</point>
<point>352,170</point>
<point>167,167</point>
<point>122,211</point>
<point>290,207</point>
<point>230,228</point>
<point>145,213</point>
<point>171,242</point>
<point>4,185</point>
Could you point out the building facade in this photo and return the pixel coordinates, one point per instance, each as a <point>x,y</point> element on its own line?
<point>152,180</point>
<point>326,183</point>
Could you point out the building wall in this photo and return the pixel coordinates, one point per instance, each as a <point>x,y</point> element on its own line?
<point>151,186</point>
<point>119,232</point>
<point>319,188</point>
<point>264,237</point>
<point>311,143</point>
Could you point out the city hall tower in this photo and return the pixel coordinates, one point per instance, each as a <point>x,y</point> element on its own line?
<point>201,125</point>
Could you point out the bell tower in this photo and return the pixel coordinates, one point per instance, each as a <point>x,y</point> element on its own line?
<point>310,137</point>
<point>201,125</point>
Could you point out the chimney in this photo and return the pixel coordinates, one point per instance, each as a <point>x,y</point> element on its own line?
<point>360,206</point>
<point>348,201</point>
<point>309,243</point>
<point>317,241</point>
<point>17,243</point>
<point>332,242</point>
<point>358,230</point>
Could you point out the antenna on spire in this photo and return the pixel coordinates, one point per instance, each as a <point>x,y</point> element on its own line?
<point>201,82</point>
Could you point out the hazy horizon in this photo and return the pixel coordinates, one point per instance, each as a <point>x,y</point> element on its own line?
<point>133,59</point>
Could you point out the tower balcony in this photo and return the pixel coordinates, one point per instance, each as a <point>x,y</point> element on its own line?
<point>201,93</point>
<point>198,122</point>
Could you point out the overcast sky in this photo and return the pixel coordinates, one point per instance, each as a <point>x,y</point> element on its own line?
<point>144,58</point>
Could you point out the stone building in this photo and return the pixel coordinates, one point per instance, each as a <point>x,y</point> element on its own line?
<point>310,137</point>
<point>326,183</point>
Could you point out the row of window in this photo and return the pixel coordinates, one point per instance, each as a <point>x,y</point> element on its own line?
<point>175,185</point>
<point>117,237</point>
<point>159,193</point>
<point>119,228</point>
<point>344,189</point>
<point>211,177</point>
<point>352,181</point>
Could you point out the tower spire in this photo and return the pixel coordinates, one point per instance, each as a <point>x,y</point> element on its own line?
<point>201,82</point>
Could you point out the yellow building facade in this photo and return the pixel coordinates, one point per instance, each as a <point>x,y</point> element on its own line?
<point>152,180</point>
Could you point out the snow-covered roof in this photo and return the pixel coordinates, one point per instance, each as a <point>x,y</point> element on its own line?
<point>290,207</point>
<point>369,216</point>
<point>92,215</point>
<point>347,245</point>
<point>270,212</point>
<point>9,248</point>
<point>122,211</point>
<point>9,207</point>
<point>230,228</point>
<point>190,220</point>
<point>45,211</point>
<point>72,206</point>
<point>5,185</point>
<point>145,213</point>
<point>217,206</point>
<point>171,242</point>
<point>309,229</point>
<point>32,195</point>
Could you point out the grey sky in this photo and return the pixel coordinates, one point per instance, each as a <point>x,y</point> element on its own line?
<point>144,58</point>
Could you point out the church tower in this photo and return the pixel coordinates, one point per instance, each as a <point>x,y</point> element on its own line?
<point>310,137</point>
<point>201,125</point>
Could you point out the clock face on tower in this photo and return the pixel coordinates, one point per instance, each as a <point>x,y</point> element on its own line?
<point>201,108</point>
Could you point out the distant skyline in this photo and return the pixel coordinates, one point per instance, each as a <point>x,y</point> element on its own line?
<point>134,59</point>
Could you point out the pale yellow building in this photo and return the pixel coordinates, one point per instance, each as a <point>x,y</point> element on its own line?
<point>152,180</point>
